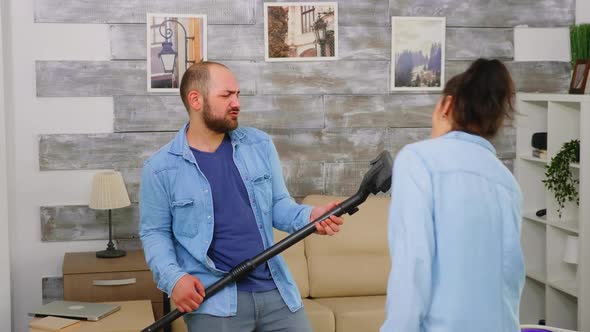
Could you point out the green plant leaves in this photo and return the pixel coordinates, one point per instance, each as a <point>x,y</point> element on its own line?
<point>559,178</point>
<point>580,42</point>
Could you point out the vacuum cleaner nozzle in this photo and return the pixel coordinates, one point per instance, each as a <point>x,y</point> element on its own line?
<point>378,178</point>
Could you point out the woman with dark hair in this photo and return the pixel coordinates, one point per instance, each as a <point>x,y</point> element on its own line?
<point>454,220</point>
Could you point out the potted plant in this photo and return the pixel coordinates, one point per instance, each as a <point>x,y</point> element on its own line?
<point>559,178</point>
<point>580,42</point>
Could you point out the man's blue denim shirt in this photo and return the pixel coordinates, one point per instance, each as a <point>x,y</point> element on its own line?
<point>176,215</point>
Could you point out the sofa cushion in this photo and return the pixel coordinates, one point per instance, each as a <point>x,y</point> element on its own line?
<point>296,262</point>
<point>354,262</point>
<point>320,316</point>
<point>353,314</point>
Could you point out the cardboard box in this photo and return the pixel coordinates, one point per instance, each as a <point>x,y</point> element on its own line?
<point>54,324</point>
<point>134,316</point>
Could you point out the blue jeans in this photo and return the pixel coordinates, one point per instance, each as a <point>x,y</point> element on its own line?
<point>260,312</point>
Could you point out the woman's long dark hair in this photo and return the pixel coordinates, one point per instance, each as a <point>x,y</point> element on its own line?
<point>482,97</point>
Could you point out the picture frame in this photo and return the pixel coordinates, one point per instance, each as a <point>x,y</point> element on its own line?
<point>578,83</point>
<point>173,43</point>
<point>417,53</point>
<point>300,31</point>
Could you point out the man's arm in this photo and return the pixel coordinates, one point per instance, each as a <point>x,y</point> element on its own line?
<point>155,231</point>
<point>411,243</point>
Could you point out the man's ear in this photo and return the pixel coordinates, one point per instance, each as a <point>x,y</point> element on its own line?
<point>195,100</point>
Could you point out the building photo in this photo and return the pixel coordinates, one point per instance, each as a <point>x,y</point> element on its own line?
<point>301,31</point>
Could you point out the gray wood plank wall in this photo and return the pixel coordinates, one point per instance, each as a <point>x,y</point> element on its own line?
<point>328,119</point>
<point>134,11</point>
<point>244,42</point>
<point>167,113</point>
<point>490,13</point>
<point>127,77</point>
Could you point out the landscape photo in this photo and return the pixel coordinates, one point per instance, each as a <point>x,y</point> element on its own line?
<point>418,53</point>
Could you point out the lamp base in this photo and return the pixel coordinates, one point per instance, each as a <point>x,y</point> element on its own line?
<point>110,253</point>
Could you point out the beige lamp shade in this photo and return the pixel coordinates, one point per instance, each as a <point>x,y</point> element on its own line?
<point>108,191</point>
<point>570,252</point>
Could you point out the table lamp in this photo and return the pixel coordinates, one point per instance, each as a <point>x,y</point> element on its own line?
<point>109,192</point>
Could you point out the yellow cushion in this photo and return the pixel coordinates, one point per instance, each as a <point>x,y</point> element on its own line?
<point>296,262</point>
<point>354,262</point>
<point>178,325</point>
<point>321,317</point>
<point>353,314</point>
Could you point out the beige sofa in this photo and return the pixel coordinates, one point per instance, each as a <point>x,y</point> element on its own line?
<point>342,278</point>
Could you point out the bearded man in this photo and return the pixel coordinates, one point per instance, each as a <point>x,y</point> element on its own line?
<point>209,200</point>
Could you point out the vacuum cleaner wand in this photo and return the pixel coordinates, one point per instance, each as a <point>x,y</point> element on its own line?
<point>377,179</point>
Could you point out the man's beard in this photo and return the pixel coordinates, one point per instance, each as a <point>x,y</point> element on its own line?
<point>219,125</point>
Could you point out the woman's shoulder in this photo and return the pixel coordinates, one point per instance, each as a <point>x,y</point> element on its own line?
<point>425,149</point>
<point>414,155</point>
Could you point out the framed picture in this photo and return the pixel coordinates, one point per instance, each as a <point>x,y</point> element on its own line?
<point>580,77</point>
<point>300,31</point>
<point>418,53</point>
<point>174,43</point>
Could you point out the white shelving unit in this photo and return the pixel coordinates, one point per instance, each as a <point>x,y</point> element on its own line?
<point>556,291</point>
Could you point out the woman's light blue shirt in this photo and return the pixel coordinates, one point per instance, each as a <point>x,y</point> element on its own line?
<point>454,236</point>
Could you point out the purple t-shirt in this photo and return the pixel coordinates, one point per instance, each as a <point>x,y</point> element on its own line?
<point>235,234</point>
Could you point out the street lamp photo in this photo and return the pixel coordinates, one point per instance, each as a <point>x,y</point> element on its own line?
<point>319,27</point>
<point>168,55</point>
<point>324,36</point>
<point>174,43</point>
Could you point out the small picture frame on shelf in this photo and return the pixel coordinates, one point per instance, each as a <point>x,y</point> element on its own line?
<point>580,77</point>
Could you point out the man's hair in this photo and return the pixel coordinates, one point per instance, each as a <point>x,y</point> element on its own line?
<point>482,97</point>
<point>196,78</point>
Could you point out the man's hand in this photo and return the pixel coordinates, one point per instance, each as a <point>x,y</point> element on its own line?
<point>188,293</point>
<point>329,226</point>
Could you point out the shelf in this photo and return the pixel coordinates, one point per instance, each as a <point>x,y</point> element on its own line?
<point>567,286</point>
<point>554,287</point>
<point>533,217</point>
<point>543,162</point>
<point>562,310</point>
<point>537,275</point>
<point>558,97</point>
<point>566,225</point>
<point>534,159</point>
<point>532,304</point>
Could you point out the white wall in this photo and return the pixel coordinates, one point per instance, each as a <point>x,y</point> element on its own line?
<point>28,116</point>
<point>542,44</point>
<point>549,44</point>
<point>582,11</point>
<point>5,299</point>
